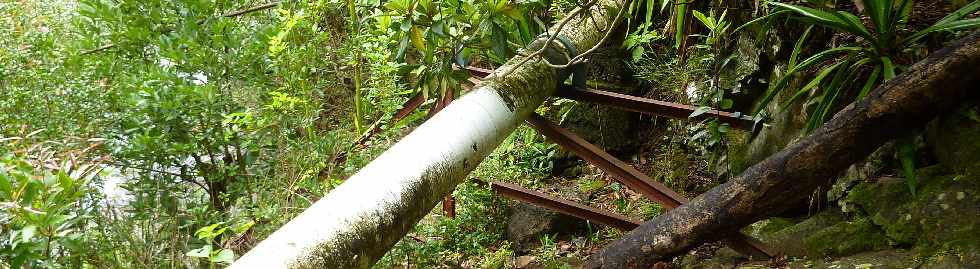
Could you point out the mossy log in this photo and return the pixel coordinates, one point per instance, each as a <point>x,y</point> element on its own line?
<point>784,179</point>
<point>359,221</point>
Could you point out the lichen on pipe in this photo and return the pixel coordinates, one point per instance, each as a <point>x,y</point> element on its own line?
<point>358,222</point>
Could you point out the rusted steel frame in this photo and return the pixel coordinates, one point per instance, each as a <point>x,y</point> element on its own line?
<point>622,172</point>
<point>633,179</point>
<point>564,206</point>
<point>477,72</point>
<point>651,106</point>
<point>637,104</point>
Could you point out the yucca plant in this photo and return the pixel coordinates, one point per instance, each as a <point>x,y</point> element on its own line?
<point>877,48</point>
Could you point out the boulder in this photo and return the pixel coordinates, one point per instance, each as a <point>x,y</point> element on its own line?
<point>955,139</point>
<point>885,259</point>
<point>528,223</point>
<point>942,217</point>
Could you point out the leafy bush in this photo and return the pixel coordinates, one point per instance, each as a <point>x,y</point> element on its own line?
<point>45,203</point>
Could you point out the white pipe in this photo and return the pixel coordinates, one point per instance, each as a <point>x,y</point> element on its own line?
<point>356,223</point>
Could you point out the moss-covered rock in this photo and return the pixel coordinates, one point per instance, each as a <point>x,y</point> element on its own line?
<point>955,139</point>
<point>845,238</point>
<point>885,259</point>
<point>790,240</point>
<point>943,215</point>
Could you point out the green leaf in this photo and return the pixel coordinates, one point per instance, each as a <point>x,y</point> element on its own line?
<point>951,22</point>
<point>904,12</point>
<point>798,47</point>
<point>781,83</point>
<point>839,20</point>
<point>756,20</point>
<point>840,82</point>
<point>809,86</point>
<point>960,13</point>
<point>700,110</point>
<point>868,85</point>
<point>648,17</point>
<point>225,256</point>
<point>202,252</point>
<point>879,11</point>
<point>525,30</point>
<point>499,41</point>
<point>6,186</point>
<point>708,22</point>
<point>727,103</point>
<point>889,69</point>
<point>402,46</point>
<point>27,233</point>
<point>207,231</point>
<point>679,24</point>
<point>30,191</point>
<point>418,40</point>
<point>827,99</point>
<point>906,155</point>
<point>636,53</point>
<point>241,228</point>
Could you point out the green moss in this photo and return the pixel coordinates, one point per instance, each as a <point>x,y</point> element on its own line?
<point>773,225</point>
<point>738,151</point>
<point>846,238</point>
<point>939,218</point>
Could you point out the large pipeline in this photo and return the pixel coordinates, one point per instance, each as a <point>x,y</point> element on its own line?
<point>359,221</point>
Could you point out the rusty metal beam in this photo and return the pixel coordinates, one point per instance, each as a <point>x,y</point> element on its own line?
<point>651,106</point>
<point>634,179</point>
<point>564,206</point>
<point>477,72</point>
<point>636,104</point>
<point>622,172</point>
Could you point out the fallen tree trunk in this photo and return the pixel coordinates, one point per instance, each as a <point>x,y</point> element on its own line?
<point>786,178</point>
<point>356,223</point>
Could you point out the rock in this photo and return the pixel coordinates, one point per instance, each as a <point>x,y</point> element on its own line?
<point>954,260</point>
<point>790,240</point>
<point>783,128</point>
<point>886,259</point>
<point>845,238</point>
<point>722,258</point>
<point>523,261</point>
<point>528,223</point>
<point>943,215</point>
<point>745,63</point>
<point>955,139</point>
<point>610,129</point>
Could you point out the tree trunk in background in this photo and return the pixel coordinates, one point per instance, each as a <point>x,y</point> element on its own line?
<point>789,176</point>
<point>356,223</point>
